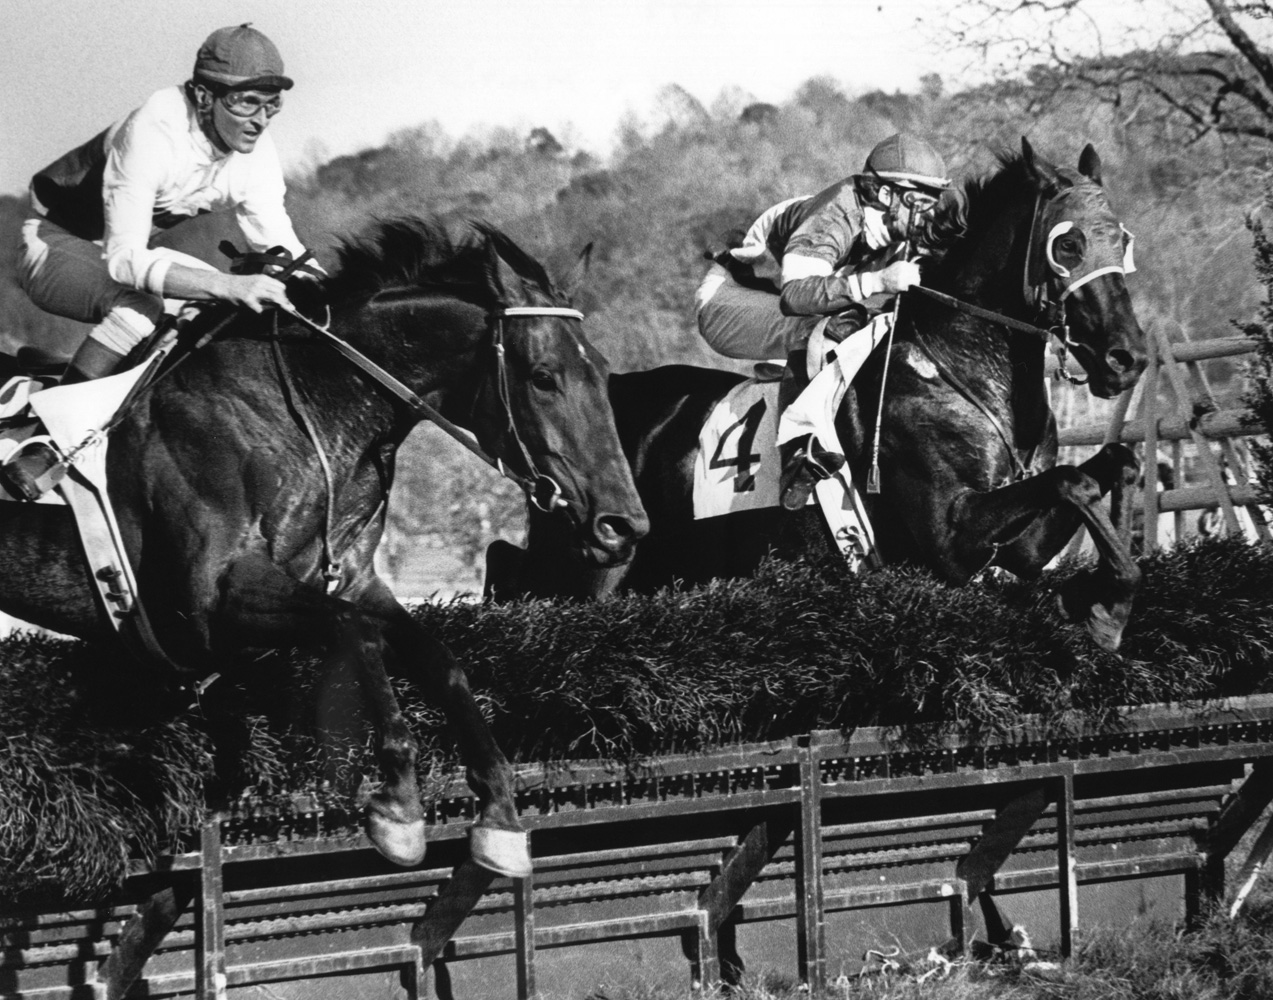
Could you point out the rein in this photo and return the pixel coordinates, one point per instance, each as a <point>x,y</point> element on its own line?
<point>541,489</point>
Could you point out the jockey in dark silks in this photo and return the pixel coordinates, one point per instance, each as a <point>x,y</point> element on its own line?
<point>821,267</point>
<point>187,150</point>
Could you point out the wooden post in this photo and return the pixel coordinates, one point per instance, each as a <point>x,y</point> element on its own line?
<point>1178,472</point>
<point>453,903</point>
<point>810,915</point>
<point>1206,457</point>
<point>210,982</point>
<point>1067,864</point>
<point>1252,868</point>
<point>1149,418</point>
<point>524,934</point>
<point>740,868</point>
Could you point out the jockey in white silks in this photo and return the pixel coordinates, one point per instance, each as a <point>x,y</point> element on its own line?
<point>823,267</point>
<point>201,147</point>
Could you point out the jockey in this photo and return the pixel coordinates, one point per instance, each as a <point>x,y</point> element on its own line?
<point>187,150</point>
<point>827,263</point>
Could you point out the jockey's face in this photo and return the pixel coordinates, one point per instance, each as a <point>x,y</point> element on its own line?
<point>234,121</point>
<point>907,209</point>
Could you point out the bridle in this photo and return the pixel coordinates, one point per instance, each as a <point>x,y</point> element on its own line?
<point>540,488</point>
<point>1036,295</point>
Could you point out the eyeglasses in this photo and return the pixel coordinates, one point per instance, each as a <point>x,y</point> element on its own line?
<point>245,104</point>
<point>919,201</point>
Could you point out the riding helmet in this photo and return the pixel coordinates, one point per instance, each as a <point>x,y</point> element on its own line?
<point>907,161</point>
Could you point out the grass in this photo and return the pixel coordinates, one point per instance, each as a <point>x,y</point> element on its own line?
<point>1221,960</point>
<point>97,765</point>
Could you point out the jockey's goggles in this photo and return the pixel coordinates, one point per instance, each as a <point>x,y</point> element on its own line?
<point>246,104</point>
<point>918,201</point>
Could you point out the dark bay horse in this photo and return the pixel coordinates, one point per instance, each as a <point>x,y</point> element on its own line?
<point>968,439</point>
<point>230,521</point>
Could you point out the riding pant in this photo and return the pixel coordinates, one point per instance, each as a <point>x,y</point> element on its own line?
<point>66,275</point>
<point>747,323</point>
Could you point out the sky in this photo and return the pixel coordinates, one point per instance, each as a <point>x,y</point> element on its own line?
<point>365,68</point>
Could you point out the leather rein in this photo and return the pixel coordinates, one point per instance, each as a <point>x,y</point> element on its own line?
<point>540,488</point>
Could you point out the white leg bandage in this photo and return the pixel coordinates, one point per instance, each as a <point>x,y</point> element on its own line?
<point>122,329</point>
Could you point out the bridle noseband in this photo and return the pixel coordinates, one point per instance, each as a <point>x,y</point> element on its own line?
<point>1037,294</point>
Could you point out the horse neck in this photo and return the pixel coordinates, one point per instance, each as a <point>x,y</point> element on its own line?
<point>433,344</point>
<point>1008,364</point>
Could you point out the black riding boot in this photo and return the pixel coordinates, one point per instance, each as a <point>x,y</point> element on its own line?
<point>92,360</point>
<point>25,476</point>
<point>804,461</point>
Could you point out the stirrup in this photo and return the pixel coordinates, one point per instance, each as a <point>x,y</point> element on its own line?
<point>32,469</point>
<point>806,466</point>
<point>16,394</point>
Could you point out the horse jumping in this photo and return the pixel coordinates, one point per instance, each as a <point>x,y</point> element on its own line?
<point>968,440</point>
<point>241,540</point>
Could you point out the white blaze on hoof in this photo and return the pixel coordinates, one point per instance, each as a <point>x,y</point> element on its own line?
<point>401,842</point>
<point>505,852</point>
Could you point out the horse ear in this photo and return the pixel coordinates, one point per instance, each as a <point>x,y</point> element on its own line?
<point>1090,163</point>
<point>1044,173</point>
<point>574,280</point>
<point>507,282</point>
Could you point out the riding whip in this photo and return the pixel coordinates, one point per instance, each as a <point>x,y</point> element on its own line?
<point>873,477</point>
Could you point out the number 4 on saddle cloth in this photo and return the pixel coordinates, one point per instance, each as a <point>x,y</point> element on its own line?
<point>737,467</point>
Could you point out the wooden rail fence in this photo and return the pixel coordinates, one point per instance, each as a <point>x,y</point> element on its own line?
<point>1193,427</point>
<point>700,849</point>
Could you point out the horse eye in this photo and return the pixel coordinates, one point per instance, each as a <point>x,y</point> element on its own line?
<point>544,380</point>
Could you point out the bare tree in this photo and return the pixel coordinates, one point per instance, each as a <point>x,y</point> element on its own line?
<point>1195,67</point>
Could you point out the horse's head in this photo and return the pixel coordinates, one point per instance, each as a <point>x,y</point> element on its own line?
<point>1077,260</point>
<point>547,408</point>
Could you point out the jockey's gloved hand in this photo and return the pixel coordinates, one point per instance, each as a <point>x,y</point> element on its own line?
<point>897,277</point>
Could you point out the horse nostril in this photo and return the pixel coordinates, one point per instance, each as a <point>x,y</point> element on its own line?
<point>1120,361</point>
<point>614,531</point>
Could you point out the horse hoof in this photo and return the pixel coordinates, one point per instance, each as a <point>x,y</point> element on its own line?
<point>402,842</point>
<point>505,852</point>
<point>1105,629</point>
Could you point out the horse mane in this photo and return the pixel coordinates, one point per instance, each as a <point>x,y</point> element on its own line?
<point>412,253</point>
<point>970,207</point>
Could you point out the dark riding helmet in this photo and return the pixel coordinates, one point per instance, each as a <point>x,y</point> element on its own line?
<point>907,162</point>
<point>240,57</point>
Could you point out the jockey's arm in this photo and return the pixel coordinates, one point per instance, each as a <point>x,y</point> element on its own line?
<point>812,287</point>
<point>253,291</point>
<point>135,172</point>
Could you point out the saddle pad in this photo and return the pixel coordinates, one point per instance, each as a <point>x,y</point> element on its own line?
<point>737,468</point>
<point>73,416</point>
<point>737,464</point>
<point>71,413</point>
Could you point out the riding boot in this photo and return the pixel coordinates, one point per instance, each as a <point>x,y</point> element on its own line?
<point>803,460</point>
<point>26,475</point>
<point>93,360</point>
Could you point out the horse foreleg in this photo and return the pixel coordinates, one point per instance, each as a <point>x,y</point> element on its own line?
<point>497,840</point>
<point>261,603</point>
<point>1114,470</point>
<point>1021,526</point>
